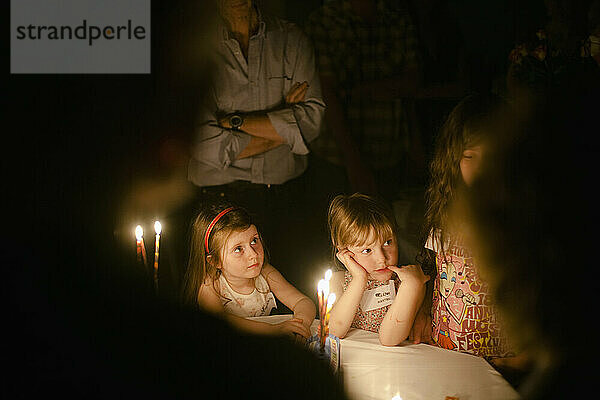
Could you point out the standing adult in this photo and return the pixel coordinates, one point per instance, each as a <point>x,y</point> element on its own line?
<point>367,59</point>
<point>251,144</point>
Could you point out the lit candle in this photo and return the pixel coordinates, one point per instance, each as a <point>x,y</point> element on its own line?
<point>325,290</point>
<point>158,230</point>
<point>324,306</point>
<point>328,274</point>
<point>330,301</point>
<point>320,288</point>
<point>141,248</point>
<point>139,234</point>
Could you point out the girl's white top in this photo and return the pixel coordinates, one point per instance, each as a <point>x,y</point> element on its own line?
<point>256,304</point>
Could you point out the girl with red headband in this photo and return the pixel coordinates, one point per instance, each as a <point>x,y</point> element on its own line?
<point>228,274</point>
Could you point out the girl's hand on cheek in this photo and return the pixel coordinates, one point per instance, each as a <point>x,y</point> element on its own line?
<point>410,273</point>
<point>346,257</point>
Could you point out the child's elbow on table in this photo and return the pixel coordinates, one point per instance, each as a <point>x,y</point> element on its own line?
<point>390,340</point>
<point>337,331</point>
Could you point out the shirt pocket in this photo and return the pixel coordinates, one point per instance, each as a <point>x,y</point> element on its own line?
<point>278,85</point>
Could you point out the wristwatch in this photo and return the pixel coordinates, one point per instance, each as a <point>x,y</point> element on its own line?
<point>236,121</point>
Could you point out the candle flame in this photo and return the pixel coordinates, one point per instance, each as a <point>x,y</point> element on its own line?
<point>325,289</point>
<point>157,227</point>
<point>330,301</point>
<point>139,232</point>
<point>320,285</point>
<point>397,397</point>
<point>328,274</point>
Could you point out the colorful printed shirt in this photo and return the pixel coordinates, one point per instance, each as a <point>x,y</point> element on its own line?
<point>369,320</point>
<point>464,317</point>
<point>354,52</point>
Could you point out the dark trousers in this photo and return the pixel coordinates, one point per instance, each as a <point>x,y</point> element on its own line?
<point>275,209</point>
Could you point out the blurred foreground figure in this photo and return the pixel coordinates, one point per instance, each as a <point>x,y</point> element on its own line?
<point>532,218</point>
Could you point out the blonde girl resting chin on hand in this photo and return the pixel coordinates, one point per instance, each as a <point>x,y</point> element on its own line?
<point>228,274</point>
<point>363,232</point>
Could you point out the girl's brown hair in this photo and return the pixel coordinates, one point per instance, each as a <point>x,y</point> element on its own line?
<point>352,219</point>
<point>199,268</point>
<point>469,124</point>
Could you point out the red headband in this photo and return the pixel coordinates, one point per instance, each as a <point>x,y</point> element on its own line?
<point>212,224</point>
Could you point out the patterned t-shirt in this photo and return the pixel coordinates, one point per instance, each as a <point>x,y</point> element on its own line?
<point>256,304</point>
<point>464,317</point>
<point>369,320</point>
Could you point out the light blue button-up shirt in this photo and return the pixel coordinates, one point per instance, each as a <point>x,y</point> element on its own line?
<point>279,55</point>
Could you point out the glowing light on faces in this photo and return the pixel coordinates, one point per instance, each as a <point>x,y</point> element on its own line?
<point>376,255</point>
<point>470,163</point>
<point>242,255</point>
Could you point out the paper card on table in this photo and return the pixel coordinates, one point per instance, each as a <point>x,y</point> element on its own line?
<point>378,297</point>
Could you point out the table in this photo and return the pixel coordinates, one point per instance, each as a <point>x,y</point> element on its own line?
<point>370,371</point>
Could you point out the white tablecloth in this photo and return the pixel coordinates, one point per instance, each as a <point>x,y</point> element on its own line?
<point>371,371</point>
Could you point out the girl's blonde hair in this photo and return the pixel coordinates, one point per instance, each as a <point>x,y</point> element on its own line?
<point>353,219</point>
<point>200,269</point>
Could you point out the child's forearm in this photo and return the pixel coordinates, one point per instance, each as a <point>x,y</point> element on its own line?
<point>305,310</point>
<point>398,321</point>
<point>344,310</point>
<point>247,325</point>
